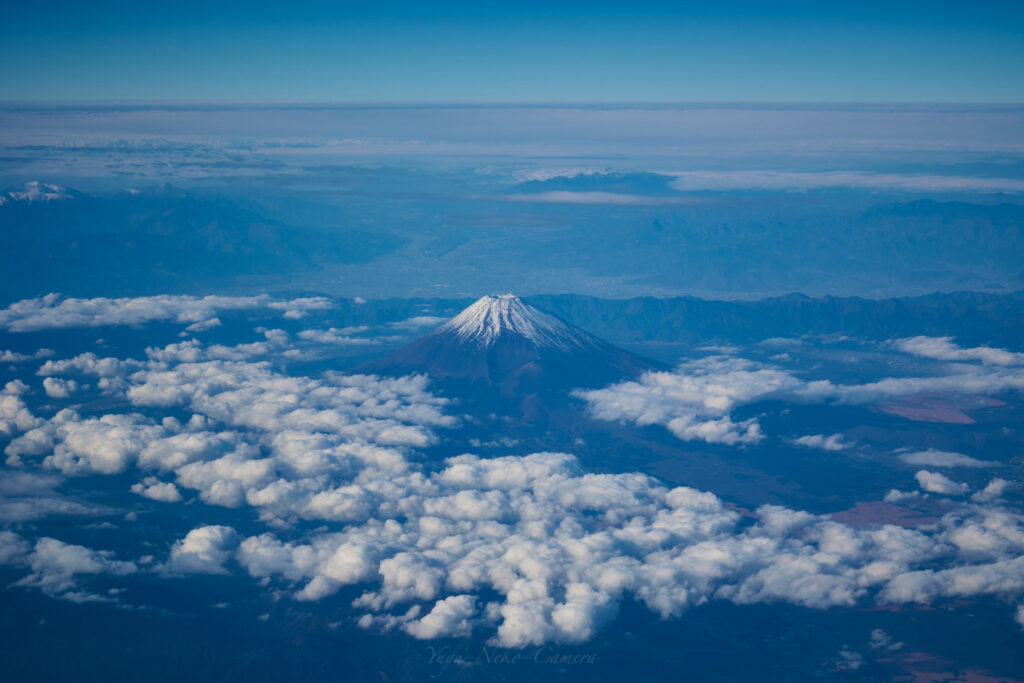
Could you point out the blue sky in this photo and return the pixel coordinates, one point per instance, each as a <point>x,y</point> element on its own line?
<point>515,52</point>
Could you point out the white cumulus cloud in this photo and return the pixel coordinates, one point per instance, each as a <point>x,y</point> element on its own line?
<point>933,482</point>
<point>203,551</point>
<point>833,442</point>
<point>936,458</point>
<point>943,348</point>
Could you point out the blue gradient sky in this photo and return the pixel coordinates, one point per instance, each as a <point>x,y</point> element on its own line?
<point>515,52</point>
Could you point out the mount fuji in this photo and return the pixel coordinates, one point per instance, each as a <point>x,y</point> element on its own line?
<point>504,343</point>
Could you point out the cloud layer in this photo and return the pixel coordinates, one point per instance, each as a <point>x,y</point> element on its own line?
<point>522,549</point>
<point>695,401</point>
<point>807,181</point>
<point>53,312</point>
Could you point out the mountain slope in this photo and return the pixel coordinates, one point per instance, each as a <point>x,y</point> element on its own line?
<point>502,342</point>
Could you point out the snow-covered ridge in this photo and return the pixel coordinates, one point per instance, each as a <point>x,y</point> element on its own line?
<point>494,316</point>
<point>36,191</point>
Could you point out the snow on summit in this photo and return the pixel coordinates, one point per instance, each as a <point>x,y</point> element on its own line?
<point>504,343</point>
<point>36,191</point>
<point>493,316</point>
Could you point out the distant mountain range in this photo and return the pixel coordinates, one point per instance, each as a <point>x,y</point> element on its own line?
<point>154,241</point>
<point>972,317</point>
<point>167,240</point>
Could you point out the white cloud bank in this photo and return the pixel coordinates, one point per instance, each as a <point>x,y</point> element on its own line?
<point>15,357</point>
<point>525,549</point>
<point>694,403</point>
<point>696,400</point>
<point>806,181</point>
<point>561,548</point>
<point>53,312</point>
<point>943,348</point>
<point>592,198</point>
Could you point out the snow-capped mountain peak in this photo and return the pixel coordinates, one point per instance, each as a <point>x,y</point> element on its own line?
<point>511,346</point>
<point>491,317</point>
<point>36,191</point>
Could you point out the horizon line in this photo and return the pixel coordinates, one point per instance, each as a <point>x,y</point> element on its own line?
<point>508,104</point>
